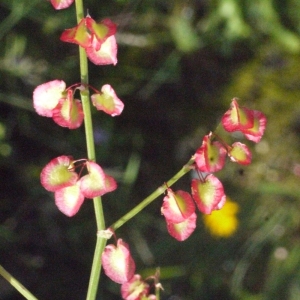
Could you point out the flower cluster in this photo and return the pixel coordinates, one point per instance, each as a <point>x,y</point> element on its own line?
<point>52,99</point>
<point>119,266</point>
<point>207,192</point>
<point>98,40</point>
<point>59,176</point>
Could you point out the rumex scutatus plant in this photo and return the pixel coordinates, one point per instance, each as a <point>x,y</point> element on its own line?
<point>72,180</point>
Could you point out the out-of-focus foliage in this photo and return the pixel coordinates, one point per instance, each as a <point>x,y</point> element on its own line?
<point>180,63</point>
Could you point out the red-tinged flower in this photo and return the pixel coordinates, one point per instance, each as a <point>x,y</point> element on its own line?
<point>256,132</point>
<point>78,35</point>
<point>181,231</point>
<point>177,206</point>
<point>117,262</point>
<point>240,153</point>
<point>47,95</point>
<point>237,118</point>
<point>108,101</point>
<point>101,31</point>
<point>134,289</point>
<point>97,39</point>
<point>210,157</point>
<point>68,112</point>
<point>208,194</point>
<point>58,173</point>
<point>69,199</point>
<point>61,4</point>
<point>96,182</point>
<point>106,55</point>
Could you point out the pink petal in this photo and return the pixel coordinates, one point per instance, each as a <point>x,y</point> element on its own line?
<point>210,157</point>
<point>61,4</point>
<point>68,113</point>
<point>208,193</point>
<point>117,262</point>
<point>107,54</point>
<point>177,206</point>
<point>47,95</point>
<point>134,289</point>
<point>240,153</point>
<point>256,132</point>
<point>108,101</point>
<point>69,199</point>
<point>237,118</point>
<point>181,231</point>
<point>57,174</point>
<point>96,182</point>
<point>221,203</point>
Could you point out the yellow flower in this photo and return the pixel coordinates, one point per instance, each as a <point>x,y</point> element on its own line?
<point>223,222</point>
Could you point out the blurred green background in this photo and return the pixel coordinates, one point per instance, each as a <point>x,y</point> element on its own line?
<point>180,63</point>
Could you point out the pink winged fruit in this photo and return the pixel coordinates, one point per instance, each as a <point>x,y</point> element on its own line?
<point>210,157</point>
<point>208,194</point>
<point>117,262</point>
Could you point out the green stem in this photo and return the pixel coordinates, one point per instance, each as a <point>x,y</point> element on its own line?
<point>159,191</point>
<point>99,215</point>
<point>16,284</point>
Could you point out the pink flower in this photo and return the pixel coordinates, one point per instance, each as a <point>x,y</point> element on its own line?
<point>51,99</point>
<point>117,262</point>
<point>69,199</point>
<point>59,176</point>
<point>177,206</point>
<point>68,112</point>
<point>77,35</point>
<point>61,4</point>
<point>210,157</point>
<point>96,182</point>
<point>47,95</point>
<point>98,40</point>
<point>240,153</point>
<point>108,101</point>
<point>252,123</point>
<point>134,289</point>
<point>58,173</point>
<point>237,118</point>
<point>208,194</point>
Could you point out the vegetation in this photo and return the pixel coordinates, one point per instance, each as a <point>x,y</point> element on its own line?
<point>179,65</point>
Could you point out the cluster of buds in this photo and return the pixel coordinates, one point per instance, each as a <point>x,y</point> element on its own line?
<point>119,266</point>
<point>59,176</point>
<point>207,192</point>
<point>98,39</point>
<point>53,100</point>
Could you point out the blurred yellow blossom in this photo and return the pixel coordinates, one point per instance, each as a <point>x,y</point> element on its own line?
<point>223,222</point>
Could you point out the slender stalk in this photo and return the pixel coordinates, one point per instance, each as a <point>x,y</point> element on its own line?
<point>99,215</point>
<point>159,191</point>
<point>16,284</point>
